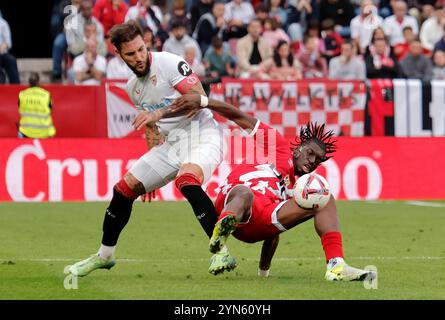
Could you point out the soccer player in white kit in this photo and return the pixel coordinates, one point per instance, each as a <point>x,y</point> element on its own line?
<point>192,149</point>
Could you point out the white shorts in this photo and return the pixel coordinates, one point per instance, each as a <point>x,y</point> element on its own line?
<point>201,143</point>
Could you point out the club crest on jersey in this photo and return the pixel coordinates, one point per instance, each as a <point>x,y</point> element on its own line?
<point>184,69</point>
<point>153,80</point>
<point>286,180</point>
<point>138,91</point>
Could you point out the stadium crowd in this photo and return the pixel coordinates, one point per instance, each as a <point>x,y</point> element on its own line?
<point>258,39</point>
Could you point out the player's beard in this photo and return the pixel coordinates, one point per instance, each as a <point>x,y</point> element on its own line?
<point>142,73</point>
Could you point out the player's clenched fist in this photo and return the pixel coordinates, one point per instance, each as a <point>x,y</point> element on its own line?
<point>145,117</point>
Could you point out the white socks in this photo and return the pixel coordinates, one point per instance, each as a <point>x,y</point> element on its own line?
<point>105,252</point>
<point>334,261</point>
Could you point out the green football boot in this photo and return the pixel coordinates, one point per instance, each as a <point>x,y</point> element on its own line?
<point>84,267</point>
<point>223,228</point>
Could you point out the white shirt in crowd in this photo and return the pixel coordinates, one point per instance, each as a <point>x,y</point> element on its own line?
<point>133,14</point>
<point>362,29</point>
<point>118,69</point>
<point>430,33</point>
<point>394,29</point>
<point>243,12</point>
<point>80,65</point>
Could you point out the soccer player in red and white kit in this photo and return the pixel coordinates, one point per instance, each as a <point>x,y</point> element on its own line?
<point>192,149</point>
<point>255,204</point>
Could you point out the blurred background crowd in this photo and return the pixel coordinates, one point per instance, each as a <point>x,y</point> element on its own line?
<point>271,39</point>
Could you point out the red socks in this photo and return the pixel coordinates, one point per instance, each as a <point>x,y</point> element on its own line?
<point>187,179</point>
<point>332,245</point>
<point>123,188</point>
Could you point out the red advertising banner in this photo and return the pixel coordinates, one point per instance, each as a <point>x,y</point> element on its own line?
<point>78,111</point>
<point>87,169</point>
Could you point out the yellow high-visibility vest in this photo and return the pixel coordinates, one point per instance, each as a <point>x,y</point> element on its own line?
<point>35,113</point>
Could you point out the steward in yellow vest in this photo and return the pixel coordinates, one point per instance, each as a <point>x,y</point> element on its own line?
<point>35,111</point>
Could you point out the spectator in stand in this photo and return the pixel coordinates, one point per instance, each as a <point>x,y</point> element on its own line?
<point>277,11</point>
<point>299,12</point>
<point>313,30</point>
<point>347,66</point>
<point>7,60</point>
<point>261,12</point>
<point>273,33</point>
<point>75,32</point>
<point>415,65</point>
<point>332,40</point>
<point>151,42</point>
<point>218,61</point>
<point>439,65</point>
<point>89,68</point>
<point>146,14</point>
<point>198,10</point>
<point>89,30</point>
<point>363,25</point>
<point>402,49</point>
<point>179,40</point>
<point>210,25</point>
<point>380,60</point>
<point>252,51</point>
<point>341,11</point>
<point>237,15</point>
<point>314,65</point>
<point>283,65</point>
<point>191,58</point>
<point>432,29</point>
<point>35,111</point>
<point>179,15</point>
<point>59,45</point>
<point>427,10</point>
<point>118,69</point>
<point>110,13</point>
<point>393,25</point>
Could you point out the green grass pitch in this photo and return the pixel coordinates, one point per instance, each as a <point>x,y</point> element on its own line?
<point>163,254</point>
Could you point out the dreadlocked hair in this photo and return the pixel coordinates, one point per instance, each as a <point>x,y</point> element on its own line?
<point>316,133</point>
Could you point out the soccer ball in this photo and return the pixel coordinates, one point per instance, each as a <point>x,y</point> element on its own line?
<point>311,191</point>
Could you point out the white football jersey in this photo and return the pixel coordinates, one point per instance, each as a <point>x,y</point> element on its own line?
<point>157,89</point>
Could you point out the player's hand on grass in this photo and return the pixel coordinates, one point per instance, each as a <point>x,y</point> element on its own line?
<point>145,117</point>
<point>149,196</point>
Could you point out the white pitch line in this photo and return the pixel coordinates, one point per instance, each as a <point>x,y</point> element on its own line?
<point>3,260</point>
<point>425,204</point>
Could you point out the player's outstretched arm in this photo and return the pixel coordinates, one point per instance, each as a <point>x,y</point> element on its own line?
<point>267,253</point>
<point>193,102</point>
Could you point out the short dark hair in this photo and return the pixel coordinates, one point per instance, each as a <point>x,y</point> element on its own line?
<point>178,24</point>
<point>124,33</point>
<point>217,42</point>
<point>314,132</point>
<point>34,79</point>
<point>328,24</point>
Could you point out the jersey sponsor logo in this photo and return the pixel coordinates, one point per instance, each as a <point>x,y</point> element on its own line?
<point>184,69</point>
<point>153,107</point>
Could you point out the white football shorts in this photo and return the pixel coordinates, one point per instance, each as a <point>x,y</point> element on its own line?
<point>200,142</point>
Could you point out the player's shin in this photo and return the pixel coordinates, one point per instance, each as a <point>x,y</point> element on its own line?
<point>116,217</point>
<point>190,187</point>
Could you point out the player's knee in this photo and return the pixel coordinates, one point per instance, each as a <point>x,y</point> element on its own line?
<point>243,194</point>
<point>187,179</point>
<point>129,187</point>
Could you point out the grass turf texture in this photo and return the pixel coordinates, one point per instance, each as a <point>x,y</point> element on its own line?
<point>163,254</point>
